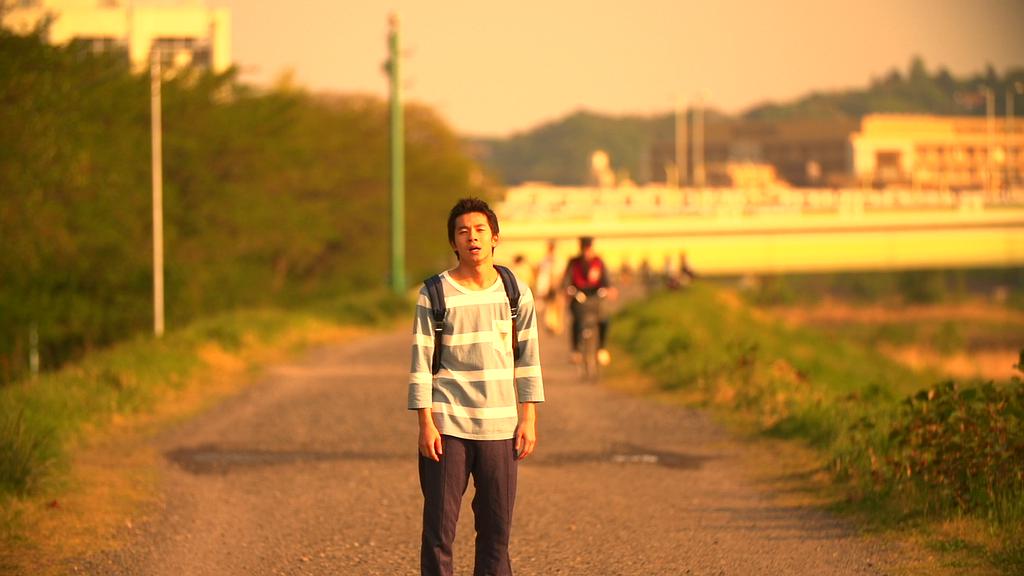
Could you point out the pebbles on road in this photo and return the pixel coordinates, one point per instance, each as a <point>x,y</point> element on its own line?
<point>312,470</point>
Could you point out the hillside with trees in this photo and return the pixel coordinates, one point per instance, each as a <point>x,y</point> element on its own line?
<point>270,198</point>
<point>558,152</point>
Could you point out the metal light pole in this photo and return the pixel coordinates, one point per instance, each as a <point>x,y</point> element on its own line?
<point>1006,137</point>
<point>698,144</point>
<point>33,350</point>
<point>682,178</point>
<point>990,109</point>
<point>158,194</point>
<point>397,161</point>
<point>1011,95</point>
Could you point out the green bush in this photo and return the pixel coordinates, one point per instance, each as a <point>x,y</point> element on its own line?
<point>947,448</point>
<point>22,455</point>
<point>369,308</point>
<point>786,378</point>
<point>961,447</point>
<point>922,286</point>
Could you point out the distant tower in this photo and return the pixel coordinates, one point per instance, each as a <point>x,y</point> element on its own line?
<point>601,169</point>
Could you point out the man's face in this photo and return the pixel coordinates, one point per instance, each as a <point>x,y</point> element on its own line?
<point>474,241</point>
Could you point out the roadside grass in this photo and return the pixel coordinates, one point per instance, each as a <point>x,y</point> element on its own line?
<point>906,449</point>
<point>970,338</point>
<point>946,336</point>
<point>46,422</point>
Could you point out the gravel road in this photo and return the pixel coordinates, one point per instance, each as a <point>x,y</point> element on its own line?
<point>312,470</point>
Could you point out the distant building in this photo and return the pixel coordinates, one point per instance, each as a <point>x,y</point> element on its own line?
<point>746,175</point>
<point>938,152</point>
<point>880,150</point>
<point>802,152</point>
<point>185,32</point>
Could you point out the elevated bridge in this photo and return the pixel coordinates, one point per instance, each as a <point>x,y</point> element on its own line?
<point>729,238</point>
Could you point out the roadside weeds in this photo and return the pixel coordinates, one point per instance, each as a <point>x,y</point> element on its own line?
<point>107,479</point>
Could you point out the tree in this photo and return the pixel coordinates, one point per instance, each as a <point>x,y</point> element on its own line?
<point>271,198</point>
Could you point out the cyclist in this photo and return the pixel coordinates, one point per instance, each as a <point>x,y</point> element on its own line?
<point>588,274</point>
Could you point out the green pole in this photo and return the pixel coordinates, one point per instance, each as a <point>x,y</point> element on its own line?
<point>397,162</point>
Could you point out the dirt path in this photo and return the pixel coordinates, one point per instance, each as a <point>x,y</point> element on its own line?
<point>313,471</point>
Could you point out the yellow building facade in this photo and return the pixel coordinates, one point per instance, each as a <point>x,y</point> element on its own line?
<point>939,152</point>
<point>907,151</point>
<point>183,32</point>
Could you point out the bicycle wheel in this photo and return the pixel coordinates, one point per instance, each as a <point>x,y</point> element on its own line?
<point>589,349</point>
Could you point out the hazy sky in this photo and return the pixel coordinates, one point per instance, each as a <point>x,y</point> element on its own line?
<point>494,68</point>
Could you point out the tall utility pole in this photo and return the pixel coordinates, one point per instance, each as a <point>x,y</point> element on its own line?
<point>33,350</point>
<point>397,161</point>
<point>158,193</point>
<point>1011,94</point>
<point>698,144</point>
<point>990,111</point>
<point>682,170</point>
<point>1007,138</point>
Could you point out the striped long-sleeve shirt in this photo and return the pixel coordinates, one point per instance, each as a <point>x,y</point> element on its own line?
<point>476,391</point>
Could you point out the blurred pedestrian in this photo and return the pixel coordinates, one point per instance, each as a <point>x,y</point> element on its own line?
<point>523,271</point>
<point>680,277</point>
<point>670,274</point>
<point>548,302</point>
<point>686,273</point>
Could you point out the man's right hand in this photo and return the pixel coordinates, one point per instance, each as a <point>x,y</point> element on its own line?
<point>430,438</point>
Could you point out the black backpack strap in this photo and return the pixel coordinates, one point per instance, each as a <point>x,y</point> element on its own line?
<point>512,291</point>
<point>435,292</point>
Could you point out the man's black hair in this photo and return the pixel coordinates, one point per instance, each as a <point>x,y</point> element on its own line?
<point>469,205</point>
<point>586,242</point>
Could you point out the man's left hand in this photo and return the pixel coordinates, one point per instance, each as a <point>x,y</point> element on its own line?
<point>525,437</point>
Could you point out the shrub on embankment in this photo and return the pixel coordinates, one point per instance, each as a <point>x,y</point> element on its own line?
<point>41,420</point>
<point>271,197</point>
<point>961,447</point>
<point>890,437</point>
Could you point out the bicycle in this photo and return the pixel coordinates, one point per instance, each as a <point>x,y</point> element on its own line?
<point>589,342</point>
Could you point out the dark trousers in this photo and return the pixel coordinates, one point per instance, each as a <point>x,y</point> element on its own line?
<point>493,466</point>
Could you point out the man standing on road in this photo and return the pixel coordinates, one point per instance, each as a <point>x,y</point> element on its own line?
<point>477,413</point>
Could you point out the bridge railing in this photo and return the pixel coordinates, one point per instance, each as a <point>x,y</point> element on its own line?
<point>550,202</point>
